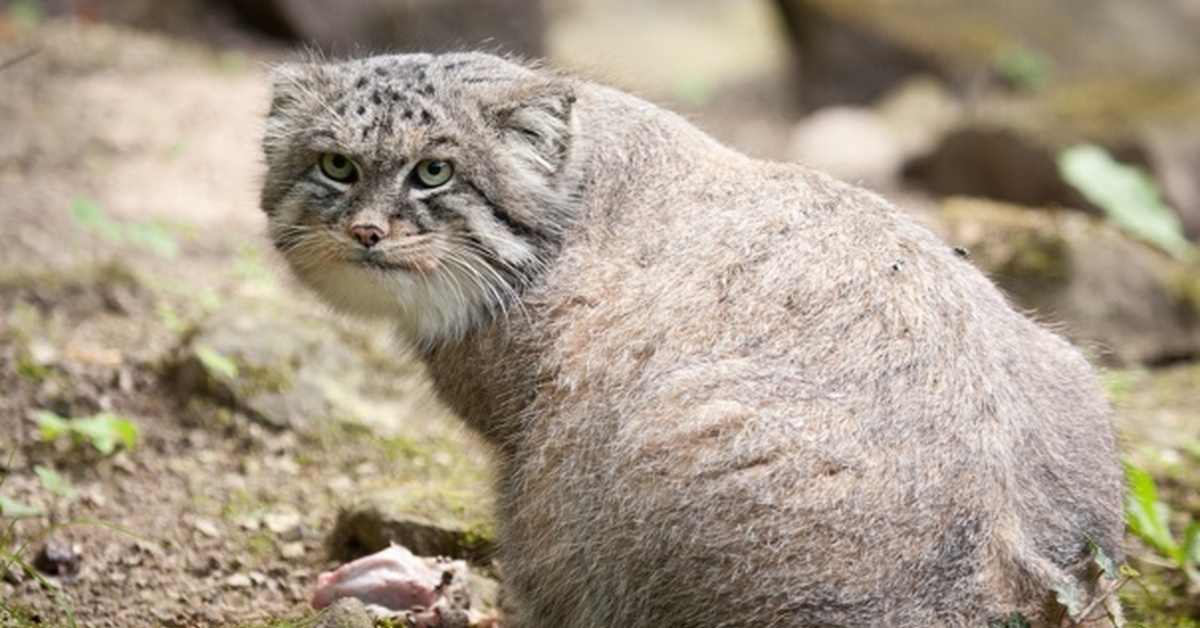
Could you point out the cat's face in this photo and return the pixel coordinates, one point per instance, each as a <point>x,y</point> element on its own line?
<point>423,189</point>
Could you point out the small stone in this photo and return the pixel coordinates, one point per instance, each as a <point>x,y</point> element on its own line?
<point>57,558</point>
<point>281,522</point>
<point>42,353</point>
<point>366,469</point>
<point>239,581</point>
<point>250,523</point>
<point>345,613</point>
<point>293,550</point>
<point>286,465</point>
<point>93,496</point>
<point>149,548</point>
<point>340,483</point>
<point>207,528</point>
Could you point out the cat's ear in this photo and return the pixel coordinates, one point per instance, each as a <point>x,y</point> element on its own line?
<point>288,85</point>
<point>535,123</point>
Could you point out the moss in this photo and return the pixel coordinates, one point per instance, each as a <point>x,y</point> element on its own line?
<point>1183,283</point>
<point>1023,250</point>
<point>480,534</point>
<point>1107,109</point>
<point>1037,253</point>
<point>260,546</point>
<point>256,379</point>
<point>402,448</point>
<point>1158,597</point>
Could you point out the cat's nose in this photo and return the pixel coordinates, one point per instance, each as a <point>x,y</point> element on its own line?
<point>367,234</point>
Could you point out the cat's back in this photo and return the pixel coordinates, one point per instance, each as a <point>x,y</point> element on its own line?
<point>786,353</point>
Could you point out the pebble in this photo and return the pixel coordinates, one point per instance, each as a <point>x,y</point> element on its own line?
<point>293,550</point>
<point>250,523</point>
<point>281,522</point>
<point>238,581</point>
<point>207,528</point>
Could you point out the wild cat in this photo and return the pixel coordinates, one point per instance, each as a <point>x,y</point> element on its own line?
<point>721,391</point>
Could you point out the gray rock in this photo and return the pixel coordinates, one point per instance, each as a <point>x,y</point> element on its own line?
<point>851,143</point>
<point>1174,156</point>
<point>1006,148</point>
<point>283,363</point>
<point>1129,302</point>
<point>345,613</point>
<point>406,25</point>
<point>852,51</point>
<point>426,522</point>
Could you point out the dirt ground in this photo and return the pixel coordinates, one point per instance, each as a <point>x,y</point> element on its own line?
<point>129,170</point>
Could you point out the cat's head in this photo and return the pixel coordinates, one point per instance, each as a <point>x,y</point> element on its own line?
<point>428,190</point>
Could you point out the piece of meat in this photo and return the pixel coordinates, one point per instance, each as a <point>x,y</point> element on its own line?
<point>393,579</point>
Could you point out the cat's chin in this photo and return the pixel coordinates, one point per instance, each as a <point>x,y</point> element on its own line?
<point>425,309</point>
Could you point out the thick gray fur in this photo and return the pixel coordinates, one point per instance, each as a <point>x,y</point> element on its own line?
<point>721,391</point>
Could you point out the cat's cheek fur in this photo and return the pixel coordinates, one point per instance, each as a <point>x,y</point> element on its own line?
<point>425,309</point>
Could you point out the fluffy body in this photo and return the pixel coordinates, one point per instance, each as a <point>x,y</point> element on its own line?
<point>722,392</point>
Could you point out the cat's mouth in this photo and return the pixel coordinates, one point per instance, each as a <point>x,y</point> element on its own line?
<point>391,259</point>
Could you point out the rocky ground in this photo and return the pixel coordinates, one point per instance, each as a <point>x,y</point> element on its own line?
<point>273,440</point>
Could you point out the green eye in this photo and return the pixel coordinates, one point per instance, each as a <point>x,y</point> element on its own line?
<point>339,168</point>
<point>431,173</point>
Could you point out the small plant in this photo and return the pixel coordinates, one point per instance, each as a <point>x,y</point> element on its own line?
<point>1022,67</point>
<point>1128,195</point>
<point>1014,620</point>
<point>1149,519</point>
<point>103,431</point>
<point>216,363</point>
<point>150,236</point>
<point>54,483</point>
<point>13,509</point>
<point>25,13</point>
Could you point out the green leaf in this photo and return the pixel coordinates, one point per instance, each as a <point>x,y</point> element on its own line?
<point>1022,66</point>
<point>217,364</point>
<point>170,318</point>
<point>1148,516</point>
<point>55,483</point>
<point>51,425</point>
<point>26,13</point>
<point>105,431</point>
<point>1068,595</point>
<point>1102,560</point>
<point>10,507</point>
<point>90,216</point>
<point>154,238</point>
<point>1191,551</point>
<point>1127,194</point>
<point>1014,620</point>
<point>1130,572</point>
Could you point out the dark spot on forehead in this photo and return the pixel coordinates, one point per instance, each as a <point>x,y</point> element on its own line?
<point>340,109</point>
<point>426,117</point>
<point>407,114</point>
<point>361,109</point>
<point>376,98</point>
<point>427,89</point>
<point>380,70</point>
<point>361,82</point>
